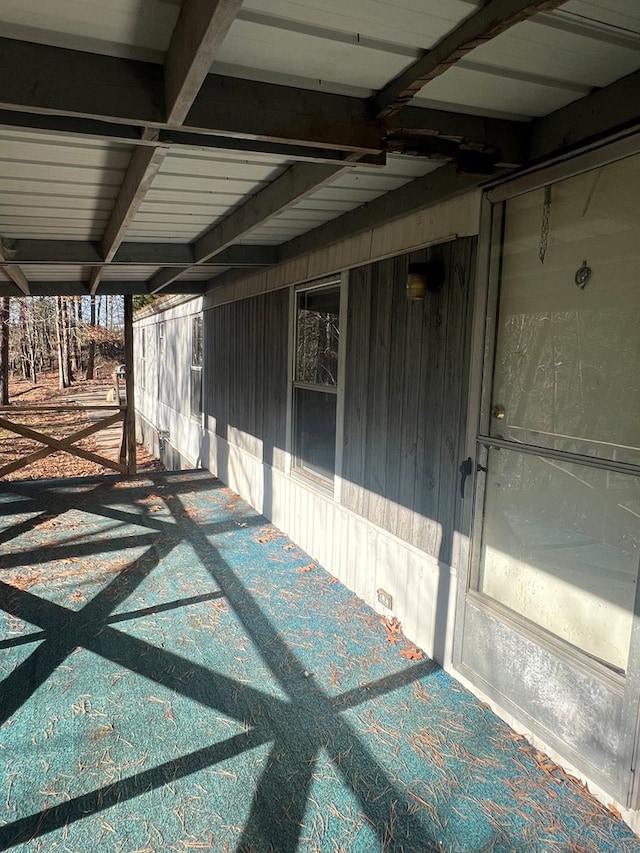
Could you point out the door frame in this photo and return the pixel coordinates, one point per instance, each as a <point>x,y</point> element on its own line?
<point>620,781</point>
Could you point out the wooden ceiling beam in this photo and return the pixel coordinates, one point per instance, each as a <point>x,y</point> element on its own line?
<point>88,252</point>
<point>197,37</point>
<point>443,184</point>
<point>111,287</point>
<point>143,167</point>
<point>41,80</point>
<point>505,134</point>
<point>294,185</point>
<point>438,186</point>
<point>64,91</point>
<point>299,181</point>
<point>603,115</point>
<point>489,21</point>
<point>14,272</point>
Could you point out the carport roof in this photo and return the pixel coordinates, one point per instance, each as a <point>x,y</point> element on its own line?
<point>152,146</point>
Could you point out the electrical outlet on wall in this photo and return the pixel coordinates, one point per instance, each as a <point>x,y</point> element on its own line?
<point>385,599</point>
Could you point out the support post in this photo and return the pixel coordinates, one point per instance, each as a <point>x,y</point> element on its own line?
<point>130,415</point>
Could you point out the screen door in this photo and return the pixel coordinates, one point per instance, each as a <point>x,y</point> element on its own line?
<point>550,609</point>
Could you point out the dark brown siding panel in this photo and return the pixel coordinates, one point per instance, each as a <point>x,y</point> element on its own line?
<point>426,531</point>
<point>413,344</point>
<point>405,396</point>
<point>397,373</point>
<point>378,403</point>
<point>246,372</point>
<point>357,373</point>
<point>461,270</point>
<point>273,369</point>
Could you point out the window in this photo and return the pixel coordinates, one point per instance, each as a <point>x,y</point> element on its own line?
<point>143,358</point>
<point>315,380</point>
<point>162,373</point>
<point>196,366</point>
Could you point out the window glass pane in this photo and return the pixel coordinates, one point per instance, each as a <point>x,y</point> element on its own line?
<point>315,431</point>
<point>561,546</point>
<point>317,335</point>
<point>196,390</point>
<point>567,370</point>
<point>196,342</point>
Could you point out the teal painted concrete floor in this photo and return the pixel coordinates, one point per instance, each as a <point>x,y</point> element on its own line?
<point>178,676</point>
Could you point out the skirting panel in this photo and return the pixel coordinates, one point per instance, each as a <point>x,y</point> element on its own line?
<point>363,557</point>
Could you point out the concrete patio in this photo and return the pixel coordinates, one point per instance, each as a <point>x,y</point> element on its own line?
<point>177,676</point>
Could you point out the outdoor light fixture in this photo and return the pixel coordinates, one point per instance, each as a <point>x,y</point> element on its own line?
<point>422,278</point>
<point>416,282</point>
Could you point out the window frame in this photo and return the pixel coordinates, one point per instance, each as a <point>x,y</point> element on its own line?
<point>196,365</point>
<point>327,485</point>
<point>143,358</point>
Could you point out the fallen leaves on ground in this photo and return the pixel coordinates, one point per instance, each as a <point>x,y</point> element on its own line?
<point>391,625</point>
<point>268,534</point>
<point>413,653</point>
<point>393,629</point>
<point>517,737</point>
<point>59,425</point>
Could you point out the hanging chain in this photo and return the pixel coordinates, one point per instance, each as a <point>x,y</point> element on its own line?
<point>544,230</point>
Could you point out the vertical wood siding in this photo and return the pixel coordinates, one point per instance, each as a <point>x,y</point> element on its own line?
<point>405,397</point>
<point>245,374</point>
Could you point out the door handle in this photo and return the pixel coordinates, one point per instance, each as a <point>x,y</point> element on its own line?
<point>466,468</point>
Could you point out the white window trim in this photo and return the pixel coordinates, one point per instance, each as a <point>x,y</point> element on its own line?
<point>318,483</point>
<point>143,357</point>
<point>196,416</point>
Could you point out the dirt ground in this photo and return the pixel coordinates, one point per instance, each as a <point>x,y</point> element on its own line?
<point>59,425</point>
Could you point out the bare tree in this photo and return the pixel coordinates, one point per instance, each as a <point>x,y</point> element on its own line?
<point>91,354</point>
<point>4,351</point>
<point>62,327</point>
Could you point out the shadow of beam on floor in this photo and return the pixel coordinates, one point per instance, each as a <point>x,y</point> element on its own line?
<point>299,728</point>
<point>33,826</point>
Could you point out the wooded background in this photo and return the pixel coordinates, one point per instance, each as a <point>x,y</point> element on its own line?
<point>40,334</point>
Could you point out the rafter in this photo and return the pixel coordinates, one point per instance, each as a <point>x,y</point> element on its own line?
<point>142,169</point>
<point>295,184</point>
<point>438,186</point>
<point>491,19</point>
<point>197,37</point>
<point>299,181</point>
<point>445,183</point>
